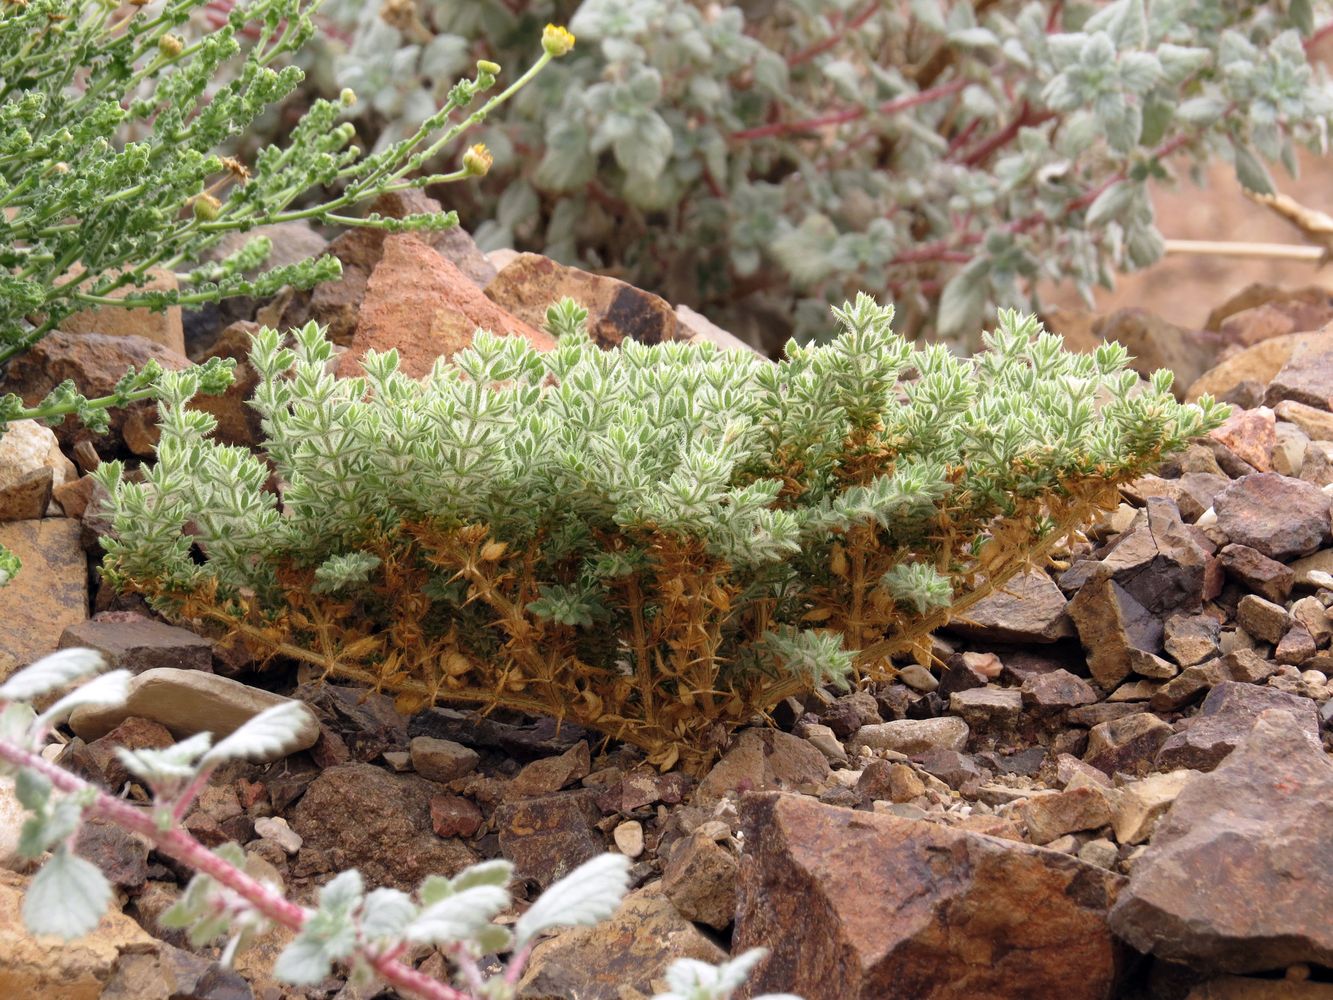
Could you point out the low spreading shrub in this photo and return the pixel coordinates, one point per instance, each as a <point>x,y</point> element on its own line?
<point>655,542</point>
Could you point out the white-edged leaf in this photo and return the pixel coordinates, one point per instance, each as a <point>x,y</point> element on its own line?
<point>386,913</point>
<point>109,689</point>
<point>266,736</point>
<point>176,763</point>
<point>458,917</point>
<point>303,962</point>
<point>67,897</point>
<point>591,892</point>
<point>51,672</point>
<point>497,872</point>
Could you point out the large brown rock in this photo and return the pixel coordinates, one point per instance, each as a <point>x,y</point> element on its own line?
<point>1225,719</point>
<point>51,589</point>
<point>1307,377</point>
<point>625,956</point>
<point>162,327</point>
<point>135,643</point>
<point>857,906</point>
<point>1258,364</point>
<point>1237,878</point>
<point>549,836</point>
<point>96,362</point>
<point>422,305</point>
<point>531,284</point>
<point>1114,629</point>
<point>1283,518</point>
<point>761,759</point>
<point>363,817</point>
<point>1029,608</point>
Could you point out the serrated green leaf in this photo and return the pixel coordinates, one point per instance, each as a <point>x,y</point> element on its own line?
<point>591,892</point>
<point>67,897</point>
<point>51,673</point>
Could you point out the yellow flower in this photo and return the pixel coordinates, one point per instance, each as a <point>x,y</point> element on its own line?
<point>557,40</point>
<point>477,160</point>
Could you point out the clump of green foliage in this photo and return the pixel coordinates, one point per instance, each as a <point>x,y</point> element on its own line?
<point>656,542</point>
<point>764,160</point>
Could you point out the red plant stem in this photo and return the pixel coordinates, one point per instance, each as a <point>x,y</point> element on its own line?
<point>852,114</point>
<point>819,48</point>
<point>185,849</point>
<point>1025,118</point>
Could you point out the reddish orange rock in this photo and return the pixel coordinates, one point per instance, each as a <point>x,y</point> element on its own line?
<point>427,308</point>
<point>1250,435</point>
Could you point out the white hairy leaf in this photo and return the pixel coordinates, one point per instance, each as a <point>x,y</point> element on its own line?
<point>591,892</point>
<point>67,897</point>
<point>51,673</point>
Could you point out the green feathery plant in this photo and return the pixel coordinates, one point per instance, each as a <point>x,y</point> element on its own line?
<point>371,934</point>
<point>83,213</point>
<point>656,542</point>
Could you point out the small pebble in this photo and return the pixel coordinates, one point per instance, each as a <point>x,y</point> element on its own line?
<point>275,828</point>
<point>629,838</point>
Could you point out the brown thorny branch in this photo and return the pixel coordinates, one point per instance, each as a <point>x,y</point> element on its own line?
<point>667,690</point>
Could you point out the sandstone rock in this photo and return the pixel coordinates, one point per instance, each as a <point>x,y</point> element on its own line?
<point>454,816</point>
<point>1266,577</point>
<point>700,880</point>
<point>1320,562</point>
<point>889,781</point>
<point>1050,816</point>
<point>423,306</point>
<point>27,496</point>
<point>623,957</point>
<point>1311,613</point>
<point>762,759</point>
<point>1293,444</point>
<point>849,713</point>
<point>1029,608</point>
<point>31,465</point>
<point>1314,421</point>
<point>1224,721</point>
<point>542,777</point>
<point>1281,517</point>
<point>97,760</point>
<point>1262,619</point>
<point>1238,665</point>
<point>548,837</point>
<point>51,588</point>
<point>1258,364</point>
<point>276,829</point>
<point>442,760</point>
<point>1250,435</point>
<point>628,838</point>
<point>858,906</point>
<point>949,766</point>
<point>96,362</point>
<point>912,735</point>
<point>48,966</point>
<point>1056,691</point>
<point>987,707</point>
<point>362,817</point>
<point>1111,624</point>
<point>162,328</point>
<point>1296,646</point>
<point>1307,376</point>
<point>531,283</point>
<point>1236,877</point>
<point>697,327</point>
<point>1191,639</point>
<point>1306,308</point>
<point>366,721</point>
<point>121,856</point>
<point>189,702</point>
<point>1136,806</point>
<point>1128,745</point>
<point>169,973</point>
<point>132,642</point>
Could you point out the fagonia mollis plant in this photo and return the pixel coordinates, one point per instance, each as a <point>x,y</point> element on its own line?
<point>657,542</point>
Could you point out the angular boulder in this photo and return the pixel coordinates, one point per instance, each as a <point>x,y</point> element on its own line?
<point>855,906</point>
<point>1237,877</point>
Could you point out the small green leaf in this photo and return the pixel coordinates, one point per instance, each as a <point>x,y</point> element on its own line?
<point>67,897</point>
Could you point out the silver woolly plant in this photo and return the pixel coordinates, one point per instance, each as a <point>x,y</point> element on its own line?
<point>768,159</point>
<point>655,541</point>
<point>373,934</point>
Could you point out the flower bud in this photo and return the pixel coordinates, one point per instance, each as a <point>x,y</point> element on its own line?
<point>171,45</point>
<point>557,40</point>
<point>206,207</point>
<point>347,98</point>
<point>477,160</point>
<point>486,66</point>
